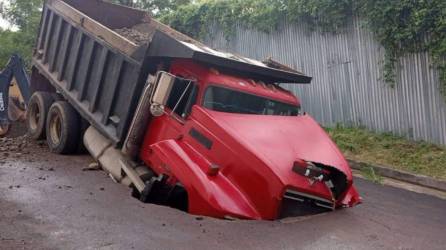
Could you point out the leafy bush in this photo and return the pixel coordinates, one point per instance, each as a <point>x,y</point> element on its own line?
<point>25,15</point>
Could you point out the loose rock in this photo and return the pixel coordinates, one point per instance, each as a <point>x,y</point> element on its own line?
<point>94,166</point>
<point>133,35</point>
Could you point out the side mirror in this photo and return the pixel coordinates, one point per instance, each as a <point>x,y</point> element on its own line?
<point>163,86</point>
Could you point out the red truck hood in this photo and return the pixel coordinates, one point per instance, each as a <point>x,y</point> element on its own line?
<point>280,140</point>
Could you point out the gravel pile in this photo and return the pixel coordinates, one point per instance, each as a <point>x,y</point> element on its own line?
<point>133,35</point>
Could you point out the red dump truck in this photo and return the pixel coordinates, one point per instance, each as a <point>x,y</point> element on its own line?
<point>184,125</point>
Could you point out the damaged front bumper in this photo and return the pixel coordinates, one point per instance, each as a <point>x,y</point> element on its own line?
<point>326,187</point>
<point>350,199</point>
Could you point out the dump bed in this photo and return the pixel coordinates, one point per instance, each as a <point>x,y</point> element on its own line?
<point>98,71</point>
<point>98,56</point>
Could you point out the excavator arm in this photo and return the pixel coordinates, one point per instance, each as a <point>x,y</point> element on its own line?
<point>14,69</point>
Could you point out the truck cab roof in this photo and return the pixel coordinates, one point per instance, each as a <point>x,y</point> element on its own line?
<point>210,76</point>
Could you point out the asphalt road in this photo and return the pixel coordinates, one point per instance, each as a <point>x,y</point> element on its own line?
<point>48,202</point>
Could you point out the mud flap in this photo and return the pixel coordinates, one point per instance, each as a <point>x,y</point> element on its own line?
<point>149,186</point>
<point>156,191</point>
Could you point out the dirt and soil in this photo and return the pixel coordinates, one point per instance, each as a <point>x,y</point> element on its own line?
<point>14,142</point>
<point>16,129</point>
<point>141,33</point>
<point>134,35</point>
<point>47,201</point>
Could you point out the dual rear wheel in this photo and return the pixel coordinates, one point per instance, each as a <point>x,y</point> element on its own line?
<point>57,121</point>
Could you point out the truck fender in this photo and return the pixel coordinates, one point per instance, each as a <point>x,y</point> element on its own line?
<point>351,197</point>
<point>206,193</point>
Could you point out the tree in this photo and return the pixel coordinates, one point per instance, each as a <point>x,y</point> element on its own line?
<point>25,15</point>
<point>157,7</point>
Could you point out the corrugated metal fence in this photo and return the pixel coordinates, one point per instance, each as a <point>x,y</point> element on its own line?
<point>348,86</point>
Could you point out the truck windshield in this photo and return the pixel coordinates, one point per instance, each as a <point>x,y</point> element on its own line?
<point>232,101</point>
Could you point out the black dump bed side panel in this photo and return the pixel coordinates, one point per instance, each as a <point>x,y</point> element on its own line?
<point>102,83</point>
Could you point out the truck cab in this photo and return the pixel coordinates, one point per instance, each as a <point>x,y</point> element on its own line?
<point>240,147</point>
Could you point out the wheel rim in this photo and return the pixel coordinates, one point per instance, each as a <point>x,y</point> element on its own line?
<point>55,129</point>
<point>35,116</point>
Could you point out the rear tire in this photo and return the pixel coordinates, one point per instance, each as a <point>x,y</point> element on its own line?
<point>38,107</point>
<point>63,128</point>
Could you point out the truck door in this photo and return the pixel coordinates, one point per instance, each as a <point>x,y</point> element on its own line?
<point>179,105</point>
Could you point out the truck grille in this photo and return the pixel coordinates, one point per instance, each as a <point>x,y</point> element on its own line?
<point>307,198</point>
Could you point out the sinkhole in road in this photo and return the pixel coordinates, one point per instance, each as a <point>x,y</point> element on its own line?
<point>292,208</point>
<point>177,198</point>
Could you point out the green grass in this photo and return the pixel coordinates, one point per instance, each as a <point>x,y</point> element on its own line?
<point>391,151</point>
<point>369,173</point>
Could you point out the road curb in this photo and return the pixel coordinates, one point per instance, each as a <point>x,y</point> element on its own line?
<point>421,180</point>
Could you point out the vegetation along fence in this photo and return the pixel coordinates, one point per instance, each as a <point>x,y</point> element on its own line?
<point>348,86</point>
